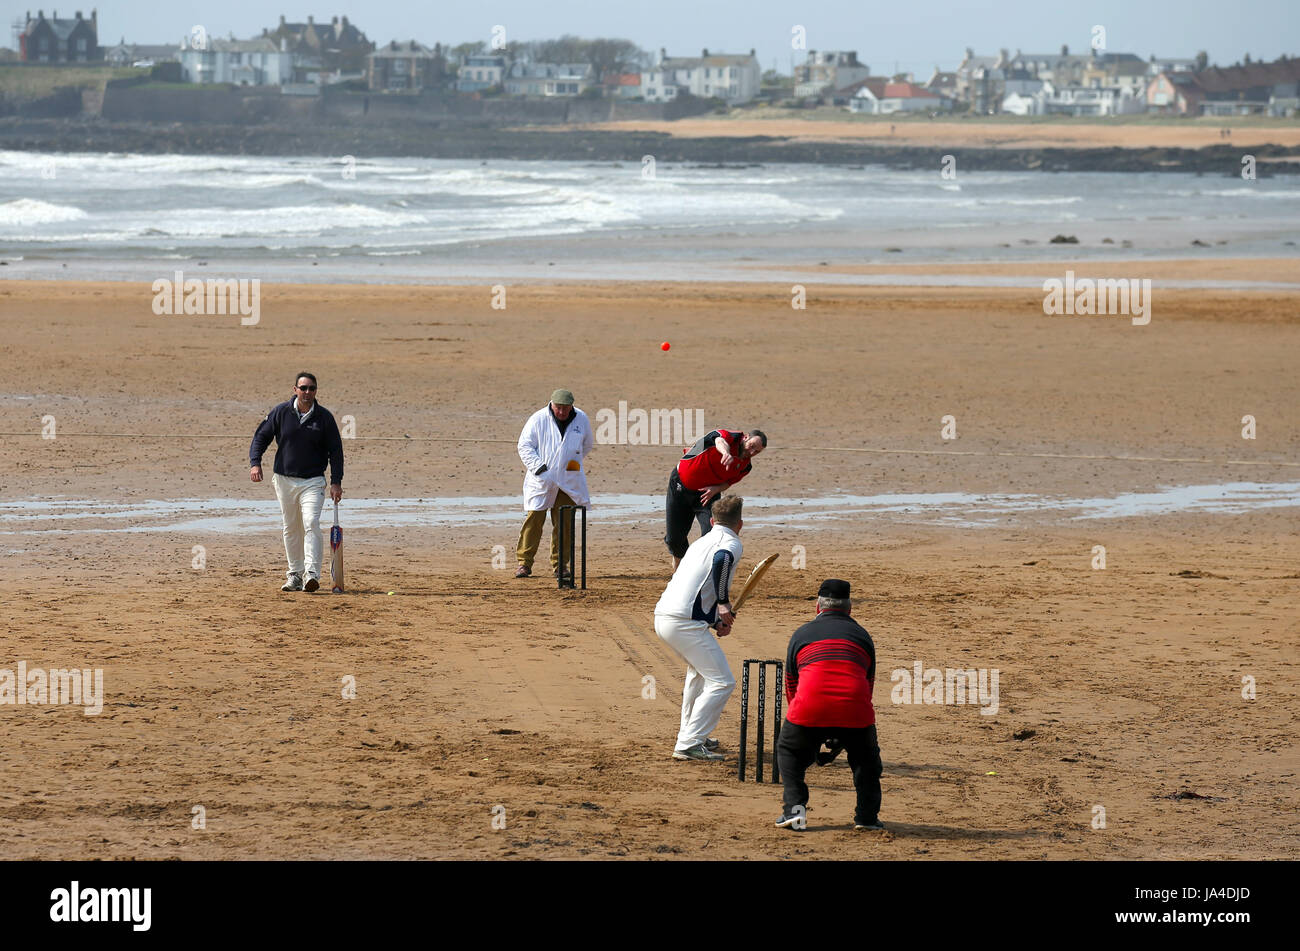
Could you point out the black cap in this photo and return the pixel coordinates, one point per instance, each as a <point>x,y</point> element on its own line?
<point>833,588</point>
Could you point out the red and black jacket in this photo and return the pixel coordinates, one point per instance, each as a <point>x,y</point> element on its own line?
<point>830,667</point>
<point>701,465</point>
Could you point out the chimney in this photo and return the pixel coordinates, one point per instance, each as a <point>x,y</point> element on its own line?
<point>705,52</point>
<point>1065,50</point>
<point>78,14</point>
<point>751,52</point>
<point>282,19</point>
<point>311,20</point>
<point>334,22</point>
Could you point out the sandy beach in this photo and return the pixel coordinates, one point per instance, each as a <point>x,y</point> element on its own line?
<point>1004,133</point>
<point>1120,688</point>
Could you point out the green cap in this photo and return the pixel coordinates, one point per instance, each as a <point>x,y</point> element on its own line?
<point>563,397</point>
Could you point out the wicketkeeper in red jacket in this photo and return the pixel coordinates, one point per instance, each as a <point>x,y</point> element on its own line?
<point>830,666</point>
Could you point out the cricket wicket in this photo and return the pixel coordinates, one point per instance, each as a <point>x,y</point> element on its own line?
<point>567,528</point>
<point>779,683</point>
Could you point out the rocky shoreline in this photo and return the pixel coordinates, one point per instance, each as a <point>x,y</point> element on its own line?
<point>462,140</point>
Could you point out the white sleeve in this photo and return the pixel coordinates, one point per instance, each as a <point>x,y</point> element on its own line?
<point>528,446</point>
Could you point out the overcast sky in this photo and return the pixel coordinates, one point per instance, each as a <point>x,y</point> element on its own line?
<point>914,34</point>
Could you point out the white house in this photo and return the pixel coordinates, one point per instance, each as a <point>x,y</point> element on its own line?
<point>1093,100</point>
<point>481,72</point>
<point>1025,97</point>
<point>733,78</point>
<point>258,62</point>
<point>889,98</point>
<point>549,79</point>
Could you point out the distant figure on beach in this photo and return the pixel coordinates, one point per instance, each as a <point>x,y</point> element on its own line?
<point>306,438</point>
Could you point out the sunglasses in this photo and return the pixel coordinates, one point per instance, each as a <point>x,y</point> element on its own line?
<point>307,389</point>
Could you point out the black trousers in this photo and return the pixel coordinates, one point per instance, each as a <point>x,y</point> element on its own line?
<point>681,506</point>
<point>796,749</point>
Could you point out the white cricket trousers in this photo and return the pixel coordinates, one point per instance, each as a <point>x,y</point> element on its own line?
<point>708,677</point>
<point>300,503</point>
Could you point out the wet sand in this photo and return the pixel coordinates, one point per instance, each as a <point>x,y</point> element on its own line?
<point>1119,687</point>
<point>952,133</point>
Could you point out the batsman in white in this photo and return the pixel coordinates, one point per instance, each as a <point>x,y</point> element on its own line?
<point>699,596</point>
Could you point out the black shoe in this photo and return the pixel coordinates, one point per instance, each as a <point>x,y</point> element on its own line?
<point>874,825</point>
<point>311,584</point>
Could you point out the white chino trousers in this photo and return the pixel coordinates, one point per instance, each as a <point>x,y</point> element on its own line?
<point>708,677</point>
<point>301,501</point>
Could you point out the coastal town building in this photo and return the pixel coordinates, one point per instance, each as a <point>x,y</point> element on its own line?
<point>889,98</point>
<point>257,62</point>
<point>318,50</point>
<point>1246,89</point>
<point>481,72</point>
<point>622,85</point>
<point>140,54</point>
<point>406,67</point>
<point>733,78</point>
<point>549,79</point>
<point>825,71</point>
<point>60,40</point>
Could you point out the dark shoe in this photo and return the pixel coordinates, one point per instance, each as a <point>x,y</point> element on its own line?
<point>798,822</point>
<point>698,752</point>
<point>293,584</point>
<point>311,584</point>
<point>523,571</point>
<point>712,745</point>
<point>874,825</point>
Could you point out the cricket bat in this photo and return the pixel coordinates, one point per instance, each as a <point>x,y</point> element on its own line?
<point>752,582</point>
<point>336,553</point>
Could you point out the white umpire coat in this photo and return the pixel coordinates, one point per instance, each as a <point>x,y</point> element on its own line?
<point>540,444</point>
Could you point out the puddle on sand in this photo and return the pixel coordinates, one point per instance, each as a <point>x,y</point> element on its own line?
<point>37,516</point>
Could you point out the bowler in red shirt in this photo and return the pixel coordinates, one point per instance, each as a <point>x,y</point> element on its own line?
<point>714,464</point>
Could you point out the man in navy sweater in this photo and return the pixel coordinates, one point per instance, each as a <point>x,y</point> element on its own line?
<point>830,667</point>
<point>306,438</point>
